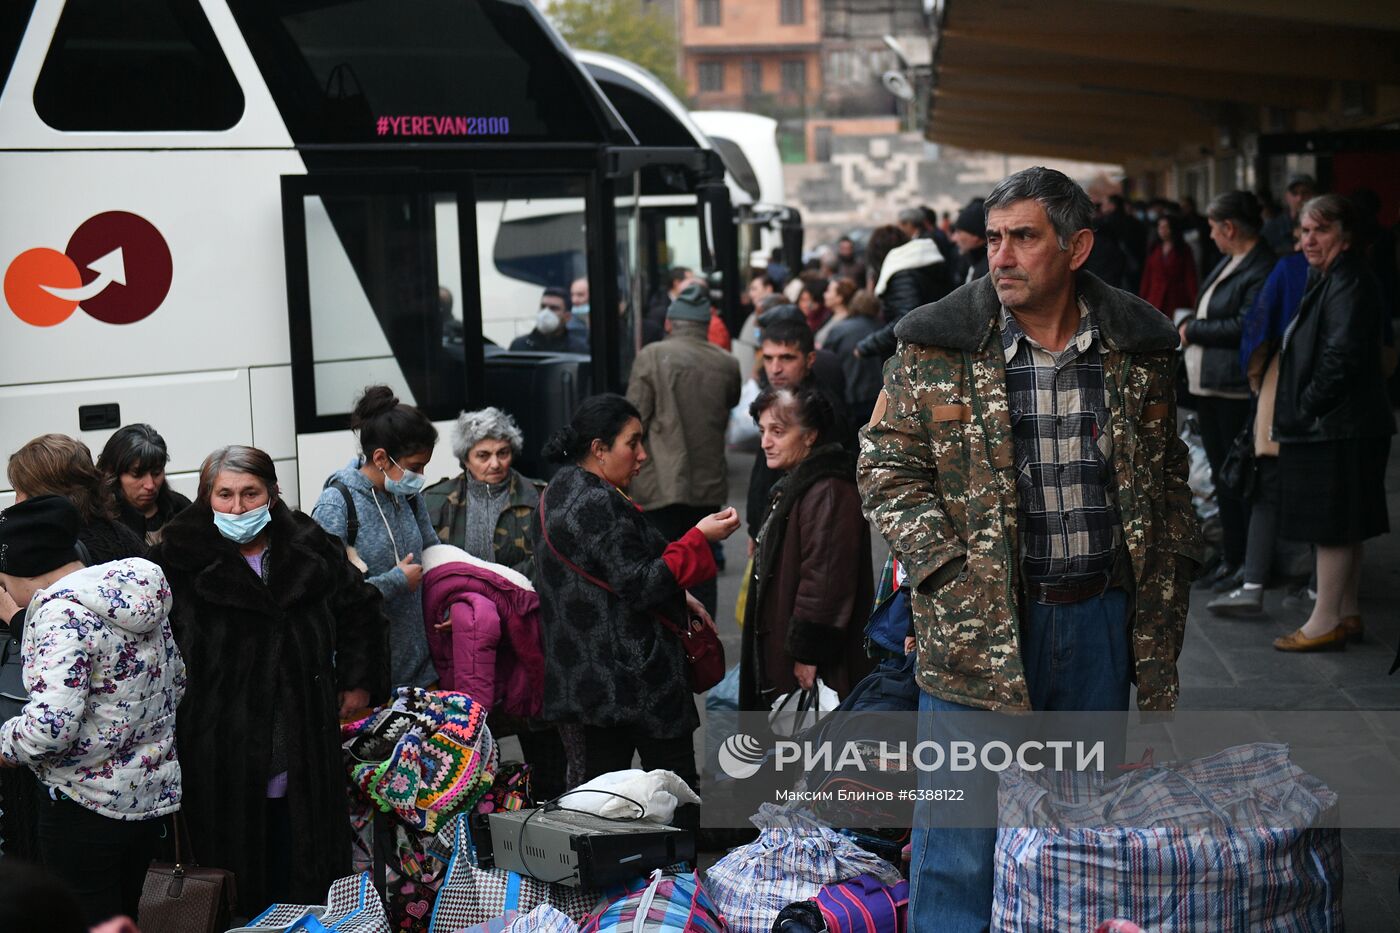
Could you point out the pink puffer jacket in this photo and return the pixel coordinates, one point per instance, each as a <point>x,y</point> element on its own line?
<point>492,651</point>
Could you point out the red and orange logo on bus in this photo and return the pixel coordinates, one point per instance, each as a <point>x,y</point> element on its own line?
<point>116,267</point>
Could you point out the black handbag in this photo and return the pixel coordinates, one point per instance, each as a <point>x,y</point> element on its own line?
<point>1236,474</point>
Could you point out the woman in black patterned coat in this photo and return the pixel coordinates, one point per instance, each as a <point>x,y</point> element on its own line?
<point>609,664</point>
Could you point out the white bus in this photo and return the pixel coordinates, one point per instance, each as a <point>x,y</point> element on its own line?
<point>226,217</point>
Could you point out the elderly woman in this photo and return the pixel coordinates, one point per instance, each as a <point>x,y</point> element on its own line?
<point>1333,423</point>
<point>281,635</point>
<point>486,509</point>
<point>98,732</point>
<point>605,574</point>
<point>133,462</point>
<point>812,585</point>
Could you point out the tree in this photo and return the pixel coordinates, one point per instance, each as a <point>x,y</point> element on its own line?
<point>628,29</point>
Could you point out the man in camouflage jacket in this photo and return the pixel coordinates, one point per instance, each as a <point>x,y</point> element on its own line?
<point>936,475</point>
<point>943,474</point>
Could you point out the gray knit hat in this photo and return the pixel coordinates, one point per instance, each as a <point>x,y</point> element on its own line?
<point>692,304</point>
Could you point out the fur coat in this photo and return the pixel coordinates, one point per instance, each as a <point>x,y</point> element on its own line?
<point>267,659</point>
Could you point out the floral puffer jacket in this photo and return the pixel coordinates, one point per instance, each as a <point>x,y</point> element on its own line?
<point>104,677</point>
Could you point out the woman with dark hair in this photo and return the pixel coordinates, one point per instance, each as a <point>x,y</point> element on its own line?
<point>1169,276</point>
<point>281,636</point>
<point>62,466</point>
<point>1333,423</point>
<point>1211,338</point>
<point>858,316</point>
<point>810,302</point>
<point>812,585</point>
<point>837,299</point>
<point>604,576</point>
<point>133,461</point>
<point>379,490</point>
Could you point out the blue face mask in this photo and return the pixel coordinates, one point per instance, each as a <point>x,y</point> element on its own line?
<point>581,310</point>
<point>241,529</point>
<point>410,484</point>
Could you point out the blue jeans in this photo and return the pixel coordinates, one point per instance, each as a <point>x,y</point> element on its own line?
<point>1077,657</point>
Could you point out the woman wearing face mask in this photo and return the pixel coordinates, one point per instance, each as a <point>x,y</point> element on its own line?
<point>281,635</point>
<point>382,488</point>
<point>812,584</point>
<point>604,575</point>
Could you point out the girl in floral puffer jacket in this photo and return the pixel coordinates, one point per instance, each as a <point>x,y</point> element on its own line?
<point>104,678</point>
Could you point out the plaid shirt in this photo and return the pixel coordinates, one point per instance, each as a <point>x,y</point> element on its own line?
<point>1070,529</point>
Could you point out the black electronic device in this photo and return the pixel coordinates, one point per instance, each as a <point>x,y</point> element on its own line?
<point>583,850</point>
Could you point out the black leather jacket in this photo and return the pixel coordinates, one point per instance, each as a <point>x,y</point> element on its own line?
<point>904,292</point>
<point>1330,384</point>
<point>1219,331</point>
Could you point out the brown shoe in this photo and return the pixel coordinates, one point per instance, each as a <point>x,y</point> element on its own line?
<point>1352,626</point>
<point>1335,640</point>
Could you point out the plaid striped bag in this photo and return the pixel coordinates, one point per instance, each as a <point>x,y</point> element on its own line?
<point>792,858</point>
<point>661,903</point>
<point>1225,843</point>
<point>470,895</point>
<point>352,906</point>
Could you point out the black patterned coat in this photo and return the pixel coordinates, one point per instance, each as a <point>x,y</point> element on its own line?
<point>608,661</point>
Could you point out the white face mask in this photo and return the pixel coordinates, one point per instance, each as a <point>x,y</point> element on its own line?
<point>547,321</point>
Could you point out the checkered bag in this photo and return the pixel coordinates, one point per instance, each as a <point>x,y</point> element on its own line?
<point>1136,849</point>
<point>661,903</point>
<point>543,919</point>
<point>471,895</point>
<point>423,757</point>
<point>352,906</point>
<point>792,858</point>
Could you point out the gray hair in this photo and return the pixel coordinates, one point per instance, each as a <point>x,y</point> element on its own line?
<point>236,458</point>
<point>911,215</point>
<point>1333,209</point>
<point>1065,203</point>
<point>473,427</point>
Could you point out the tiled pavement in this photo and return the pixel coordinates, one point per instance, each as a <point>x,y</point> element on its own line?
<point>1229,664</point>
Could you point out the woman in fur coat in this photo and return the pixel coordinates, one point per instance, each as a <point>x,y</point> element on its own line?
<point>280,634</point>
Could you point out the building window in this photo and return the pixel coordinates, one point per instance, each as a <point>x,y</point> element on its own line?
<point>753,76</point>
<point>708,12</point>
<point>795,76</point>
<point>790,13</point>
<point>711,76</point>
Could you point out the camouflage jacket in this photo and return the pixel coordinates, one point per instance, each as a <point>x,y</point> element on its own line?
<point>447,509</point>
<point>937,478</point>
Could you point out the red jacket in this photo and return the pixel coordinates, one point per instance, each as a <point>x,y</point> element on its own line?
<point>492,652</point>
<point>1169,280</point>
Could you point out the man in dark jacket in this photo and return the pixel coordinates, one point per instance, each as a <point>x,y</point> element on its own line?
<point>552,333</point>
<point>970,237</point>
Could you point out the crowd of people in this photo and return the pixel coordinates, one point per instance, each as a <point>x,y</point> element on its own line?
<point>199,656</point>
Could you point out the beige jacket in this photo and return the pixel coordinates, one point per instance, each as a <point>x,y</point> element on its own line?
<point>684,386</point>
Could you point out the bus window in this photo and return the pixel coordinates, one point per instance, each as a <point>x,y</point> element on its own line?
<point>531,235</point>
<point>136,66</point>
<point>14,18</point>
<point>683,242</point>
<point>384,283</point>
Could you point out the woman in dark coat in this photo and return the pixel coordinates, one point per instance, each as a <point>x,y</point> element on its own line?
<point>1333,423</point>
<point>280,635</point>
<point>812,586</point>
<point>1211,339</point>
<point>610,664</point>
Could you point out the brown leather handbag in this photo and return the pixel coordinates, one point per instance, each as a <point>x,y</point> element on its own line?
<point>184,898</point>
